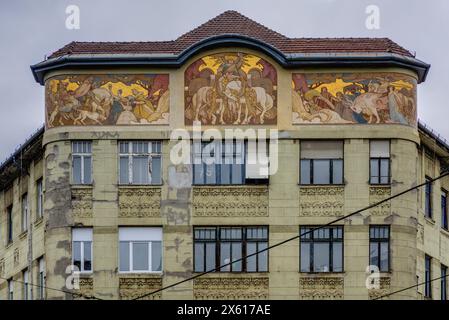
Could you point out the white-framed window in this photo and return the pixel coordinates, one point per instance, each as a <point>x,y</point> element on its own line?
<point>82,162</point>
<point>25,212</point>
<point>26,285</point>
<point>41,278</point>
<point>39,199</point>
<point>82,249</point>
<point>140,162</point>
<point>140,249</point>
<point>379,162</point>
<point>10,289</point>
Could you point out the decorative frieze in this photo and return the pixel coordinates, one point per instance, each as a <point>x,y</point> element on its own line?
<point>231,288</point>
<point>321,201</point>
<point>139,202</point>
<point>321,288</point>
<point>247,201</point>
<point>86,288</point>
<point>131,288</point>
<point>383,288</point>
<point>82,202</point>
<point>377,194</point>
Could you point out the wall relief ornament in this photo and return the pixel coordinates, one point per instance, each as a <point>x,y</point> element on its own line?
<point>321,288</point>
<point>86,288</point>
<point>130,288</point>
<point>231,288</point>
<point>321,201</point>
<point>377,194</point>
<point>384,288</point>
<point>139,202</point>
<point>82,202</point>
<point>247,201</point>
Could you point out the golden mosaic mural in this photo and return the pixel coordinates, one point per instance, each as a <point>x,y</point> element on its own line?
<point>346,98</point>
<point>231,89</point>
<point>107,100</point>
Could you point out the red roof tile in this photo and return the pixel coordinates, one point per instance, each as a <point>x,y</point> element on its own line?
<point>232,22</point>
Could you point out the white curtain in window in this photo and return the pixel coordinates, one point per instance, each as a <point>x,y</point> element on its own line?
<point>82,234</point>
<point>380,149</point>
<point>321,149</point>
<point>140,234</point>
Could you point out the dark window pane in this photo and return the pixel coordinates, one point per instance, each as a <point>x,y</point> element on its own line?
<point>210,256</point>
<point>374,254</point>
<point>337,172</point>
<point>140,256</point>
<point>321,172</point>
<point>225,256</point>
<point>236,254</point>
<point>87,256</point>
<point>305,257</point>
<point>237,174</point>
<point>140,170</point>
<point>263,257</point>
<point>384,170</point>
<point>210,174</point>
<point>199,257</point>
<point>198,177</point>
<point>321,257</point>
<point>124,170</point>
<point>124,256</point>
<point>384,256</point>
<point>337,262</point>
<point>77,254</point>
<point>374,170</point>
<point>87,170</point>
<point>305,171</point>
<point>156,167</point>
<point>251,266</point>
<point>156,256</point>
<point>225,173</point>
<point>76,174</point>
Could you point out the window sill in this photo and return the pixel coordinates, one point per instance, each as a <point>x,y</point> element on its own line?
<point>429,220</point>
<point>445,232</point>
<point>233,273</point>
<point>82,186</point>
<point>230,185</point>
<point>124,274</point>
<point>137,186</point>
<point>381,185</point>
<point>38,221</point>
<point>320,185</point>
<point>9,244</point>
<point>23,235</point>
<point>320,274</point>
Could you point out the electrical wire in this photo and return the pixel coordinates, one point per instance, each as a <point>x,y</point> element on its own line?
<point>430,181</point>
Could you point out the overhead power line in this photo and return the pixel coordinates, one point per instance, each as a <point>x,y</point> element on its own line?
<point>430,181</point>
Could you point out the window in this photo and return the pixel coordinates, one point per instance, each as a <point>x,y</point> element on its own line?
<point>25,212</point>
<point>321,250</point>
<point>379,247</point>
<point>41,278</point>
<point>219,163</point>
<point>10,224</point>
<point>443,282</point>
<point>82,162</point>
<point>82,249</point>
<point>217,246</point>
<point>444,220</point>
<point>26,286</point>
<point>428,198</point>
<point>140,162</point>
<point>10,289</point>
<point>428,277</point>
<point>379,162</point>
<point>321,162</point>
<point>39,199</point>
<point>140,249</point>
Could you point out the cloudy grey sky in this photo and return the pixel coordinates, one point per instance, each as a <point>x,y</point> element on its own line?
<point>31,29</point>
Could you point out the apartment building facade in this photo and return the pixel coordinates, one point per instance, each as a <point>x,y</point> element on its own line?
<point>98,190</point>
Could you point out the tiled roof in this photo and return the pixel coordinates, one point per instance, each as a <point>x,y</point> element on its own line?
<point>232,22</point>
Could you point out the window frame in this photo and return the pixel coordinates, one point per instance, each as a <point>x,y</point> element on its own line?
<point>444,210</point>
<point>428,276</point>
<point>150,251</point>
<point>379,241</point>
<point>130,156</point>
<point>244,242</point>
<point>41,277</point>
<point>221,161</point>
<point>10,282</point>
<point>24,212</point>
<point>10,224</point>
<point>82,155</point>
<point>26,294</point>
<point>331,165</point>
<point>331,242</point>
<point>82,248</point>
<point>379,162</point>
<point>443,283</point>
<point>428,195</point>
<point>39,198</point>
